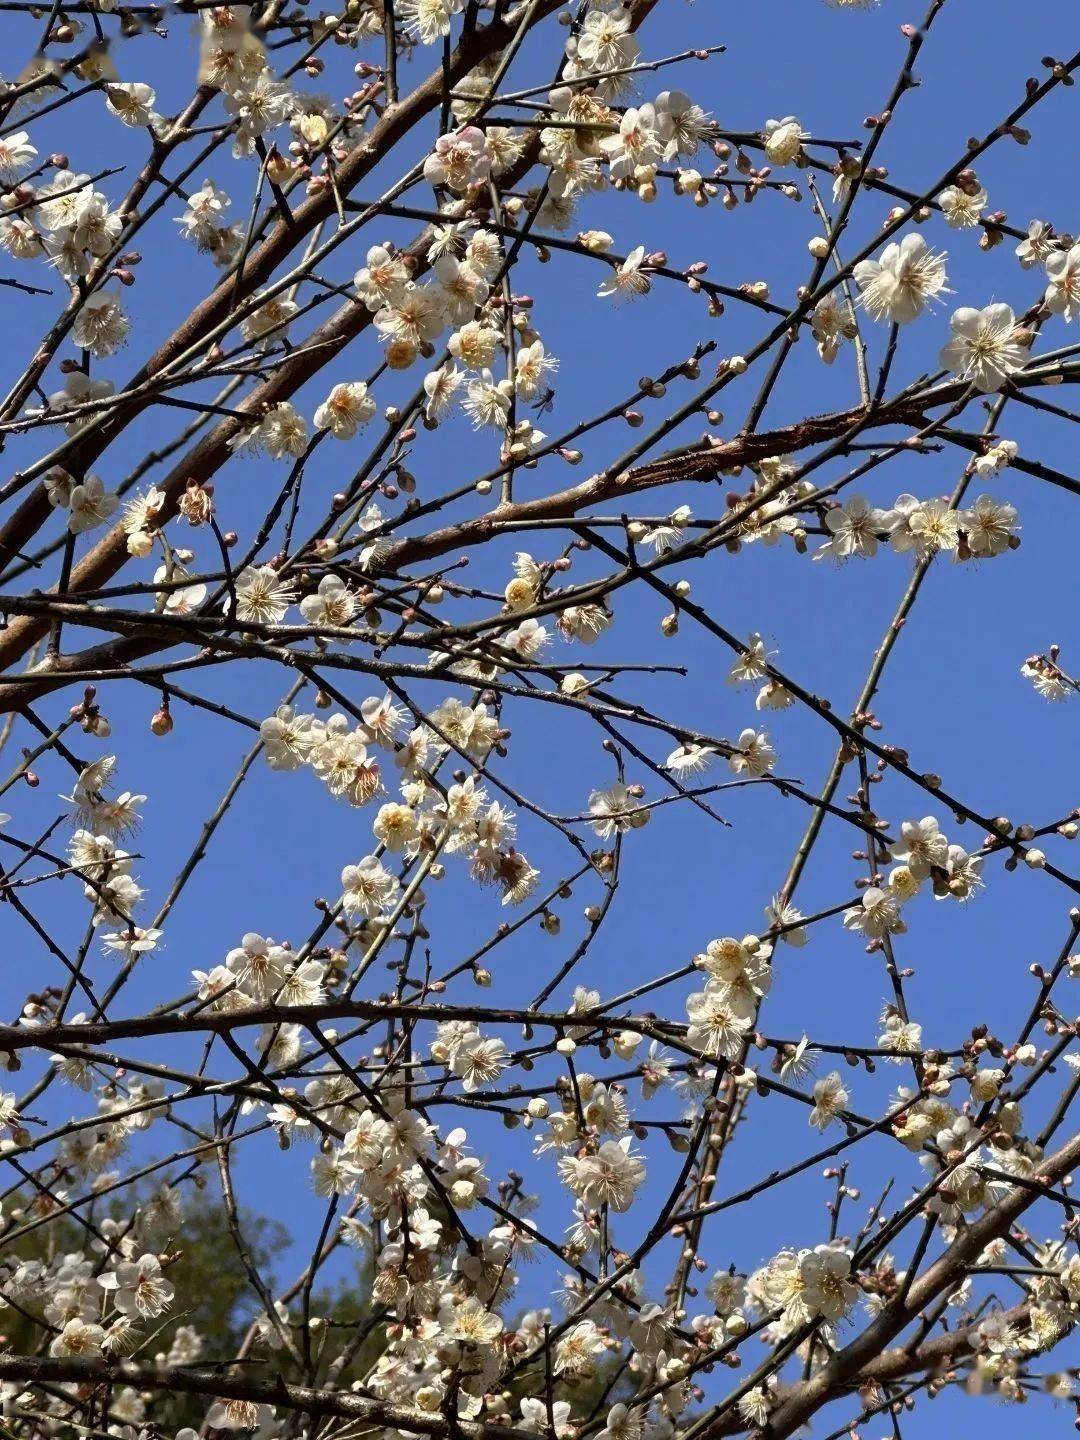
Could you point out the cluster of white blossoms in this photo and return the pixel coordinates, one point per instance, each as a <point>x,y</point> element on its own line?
<point>260,972</point>
<point>495,363</point>
<point>68,223</point>
<point>988,345</point>
<point>921,528</point>
<point>203,223</point>
<point>982,530</point>
<point>452,1344</point>
<point>923,855</point>
<point>87,501</point>
<point>353,1052</point>
<point>739,976</point>
<point>430,818</point>
<point>450,1289</point>
<point>103,864</point>
<point>807,1285</point>
<point>94,1311</point>
<point>410,315</point>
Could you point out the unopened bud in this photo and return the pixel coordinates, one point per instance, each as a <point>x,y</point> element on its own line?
<point>161,722</point>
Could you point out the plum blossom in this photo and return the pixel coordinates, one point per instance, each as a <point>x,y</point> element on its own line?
<point>460,160</point>
<point>900,283</point>
<point>984,348</point>
<point>1063,291</point>
<point>854,527</point>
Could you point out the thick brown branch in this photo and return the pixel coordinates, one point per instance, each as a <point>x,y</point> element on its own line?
<point>205,1380</point>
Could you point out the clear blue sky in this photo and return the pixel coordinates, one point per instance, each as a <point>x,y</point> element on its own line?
<point>952,696</point>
